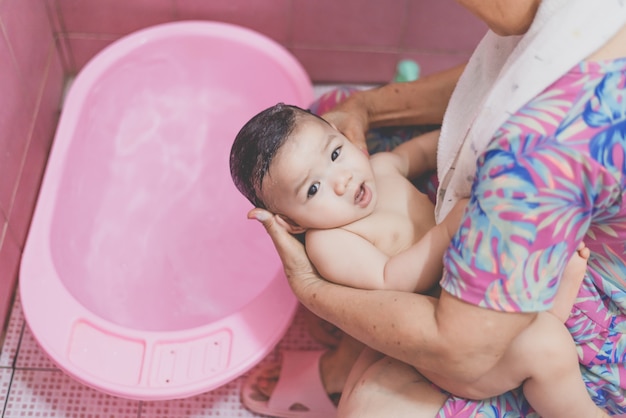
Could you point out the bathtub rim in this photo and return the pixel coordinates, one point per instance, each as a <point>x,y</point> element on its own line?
<point>37,261</point>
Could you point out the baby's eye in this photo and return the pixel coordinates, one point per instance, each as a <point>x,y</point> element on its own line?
<point>312,190</point>
<point>335,153</point>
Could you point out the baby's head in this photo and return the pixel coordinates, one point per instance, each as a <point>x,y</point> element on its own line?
<point>298,166</point>
<point>256,145</point>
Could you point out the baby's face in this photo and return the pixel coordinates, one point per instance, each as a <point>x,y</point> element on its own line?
<point>319,179</point>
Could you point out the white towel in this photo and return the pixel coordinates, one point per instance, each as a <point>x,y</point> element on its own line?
<point>504,73</point>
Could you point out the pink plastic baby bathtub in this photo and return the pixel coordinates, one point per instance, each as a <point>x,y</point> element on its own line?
<point>141,276</point>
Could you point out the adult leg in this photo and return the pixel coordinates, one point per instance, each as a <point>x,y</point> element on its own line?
<point>380,387</point>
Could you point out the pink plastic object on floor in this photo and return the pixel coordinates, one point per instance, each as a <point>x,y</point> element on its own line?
<point>141,276</point>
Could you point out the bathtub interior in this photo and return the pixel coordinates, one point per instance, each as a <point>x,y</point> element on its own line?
<point>147,230</point>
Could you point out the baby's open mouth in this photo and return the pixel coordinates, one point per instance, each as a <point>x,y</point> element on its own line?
<point>362,196</point>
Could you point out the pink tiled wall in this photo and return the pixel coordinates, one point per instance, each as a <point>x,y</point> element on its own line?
<point>337,41</point>
<point>31,79</point>
<point>354,41</point>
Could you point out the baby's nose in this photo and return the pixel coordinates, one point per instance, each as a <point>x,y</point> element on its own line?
<point>342,182</point>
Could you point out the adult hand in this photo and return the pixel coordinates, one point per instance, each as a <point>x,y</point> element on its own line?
<point>423,101</point>
<point>298,268</point>
<point>351,119</point>
<point>299,271</point>
<point>385,320</point>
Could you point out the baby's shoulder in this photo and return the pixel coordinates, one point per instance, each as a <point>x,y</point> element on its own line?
<point>385,161</point>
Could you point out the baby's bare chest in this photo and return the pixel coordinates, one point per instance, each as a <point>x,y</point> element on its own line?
<point>402,216</point>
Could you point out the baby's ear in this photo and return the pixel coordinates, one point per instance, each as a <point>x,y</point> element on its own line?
<point>291,227</point>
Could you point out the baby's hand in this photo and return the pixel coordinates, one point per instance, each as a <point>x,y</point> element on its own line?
<point>573,276</point>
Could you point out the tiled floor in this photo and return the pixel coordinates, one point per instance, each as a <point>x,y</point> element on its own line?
<point>31,386</point>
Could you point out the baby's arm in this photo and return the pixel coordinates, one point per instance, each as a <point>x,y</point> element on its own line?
<point>422,263</point>
<point>418,155</point>
<point>349,259</point>
<point>346,258</point>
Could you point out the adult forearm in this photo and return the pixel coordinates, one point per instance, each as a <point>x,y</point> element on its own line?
<point>452,343</point>
<point>388,321</point>
<point>384,320</point>
<point>423,101</point>
<point>440,337</point>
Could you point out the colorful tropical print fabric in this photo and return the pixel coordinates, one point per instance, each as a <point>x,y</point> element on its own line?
<point>553,175</point>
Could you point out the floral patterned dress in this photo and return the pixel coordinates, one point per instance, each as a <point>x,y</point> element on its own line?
<point>554,174</point>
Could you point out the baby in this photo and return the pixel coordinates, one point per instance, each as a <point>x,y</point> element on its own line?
<point>365,225</point>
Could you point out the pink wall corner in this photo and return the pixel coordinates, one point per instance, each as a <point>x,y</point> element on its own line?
<point>85,26</point>
<point>24,48</point>
<point>29,33</point>
<point>28,108</point>
<point>84,48</point>
<point>38,148</point>
<point>15,123</point>
<point>9,265</point>
<point>58,28</point>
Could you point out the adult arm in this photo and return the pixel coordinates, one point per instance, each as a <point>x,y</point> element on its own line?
<point>423,101</point>
<point>443,338</point>
<point>418,155</point>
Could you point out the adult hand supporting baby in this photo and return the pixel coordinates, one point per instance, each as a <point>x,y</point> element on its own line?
<point>296,263</point>
<point>437,345</point>
<point>306,283</point>
<point>351,119</point>
<point>420,102</point>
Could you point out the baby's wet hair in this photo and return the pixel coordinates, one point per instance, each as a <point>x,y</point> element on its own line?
<point>256,145</point>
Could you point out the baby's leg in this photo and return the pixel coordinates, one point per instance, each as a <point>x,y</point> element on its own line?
<point>543,357</point>
<point>554,387</point>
